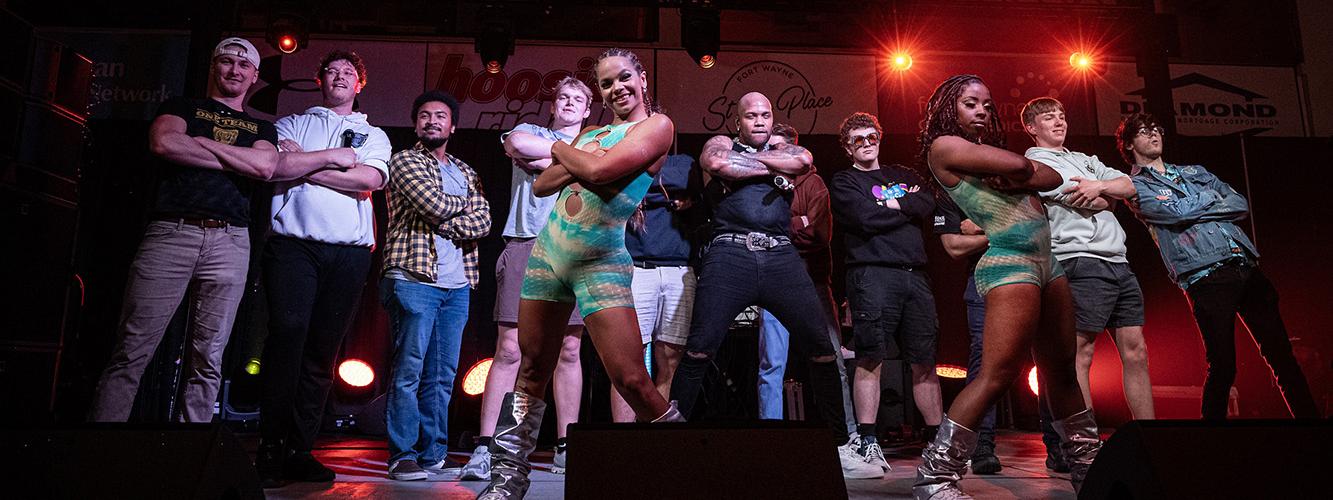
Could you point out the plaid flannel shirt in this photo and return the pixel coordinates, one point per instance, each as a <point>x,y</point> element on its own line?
<point>419,209</point>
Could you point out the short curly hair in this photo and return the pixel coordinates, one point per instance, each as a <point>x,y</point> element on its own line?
<point>859,119</point>
<point>1129,128</point>
<point>346,55</point>
<point>786,131</point>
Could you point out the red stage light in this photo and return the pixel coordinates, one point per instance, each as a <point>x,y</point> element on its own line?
<point>287,44</point>
<point>951,371</point>
<point>356,373</point>
<point>1032,382</point>
<point>474,382</point>
<point>1080,60</point>
<point>493,66</point>
<point>901,61</point>
<point>707,61</point>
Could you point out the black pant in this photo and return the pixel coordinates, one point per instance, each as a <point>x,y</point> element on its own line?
<point>313,291</point>
<point>1217,298</point>
<point>732,278</point>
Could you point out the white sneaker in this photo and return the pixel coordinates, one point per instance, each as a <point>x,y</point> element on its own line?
<point>558,463</point>
<point>478,467</point>
<point>855,466</point>
<point>869,450</point>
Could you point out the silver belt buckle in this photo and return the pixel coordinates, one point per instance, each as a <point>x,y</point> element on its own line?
<point>758,241</point>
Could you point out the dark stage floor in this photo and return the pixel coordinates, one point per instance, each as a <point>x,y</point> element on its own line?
<point>360,465</point>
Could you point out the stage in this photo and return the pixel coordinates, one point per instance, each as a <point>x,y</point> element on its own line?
<point>360,464</point>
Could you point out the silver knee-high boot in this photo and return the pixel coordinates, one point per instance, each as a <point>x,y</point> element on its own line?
<point>1080,443</point>
<point>515,438</point>
<point>943,462</point>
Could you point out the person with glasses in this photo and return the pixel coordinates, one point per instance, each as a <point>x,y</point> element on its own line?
<point>316,260</point>
<point>750,260</point>
<point>881,210</point>
<point>1029,309</point>
<point>1192,215</point>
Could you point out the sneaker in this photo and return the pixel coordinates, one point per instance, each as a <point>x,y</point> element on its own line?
<point>558,463</point>
<point>442,465</point>
<point>984,460</point>
<point>855,466</point>
<point>302,466</point>
<point>868,449</point>
<point>407,470</point>
<point>478,468</point>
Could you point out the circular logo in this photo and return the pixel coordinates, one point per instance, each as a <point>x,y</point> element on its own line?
<point>794,99</point>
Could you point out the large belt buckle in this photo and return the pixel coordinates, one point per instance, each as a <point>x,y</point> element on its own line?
<point>758,241</point>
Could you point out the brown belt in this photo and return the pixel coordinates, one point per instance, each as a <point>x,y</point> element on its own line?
<point>205,223</point>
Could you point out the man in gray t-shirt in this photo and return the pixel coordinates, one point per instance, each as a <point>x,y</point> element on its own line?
<point>1090,244</point>
<point>529,146</point>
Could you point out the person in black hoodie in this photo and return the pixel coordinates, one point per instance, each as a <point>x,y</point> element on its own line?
<point>881,210</point>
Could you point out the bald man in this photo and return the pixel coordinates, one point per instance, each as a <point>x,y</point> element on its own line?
<point>750,261</point>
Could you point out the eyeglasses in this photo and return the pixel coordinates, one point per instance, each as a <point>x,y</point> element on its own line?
<point>349,73</point>
<point>1151,131</point>
<point>870,139</point>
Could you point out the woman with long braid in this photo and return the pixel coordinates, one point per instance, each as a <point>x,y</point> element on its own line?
<point>1028,303</point>
<point>580,259</point>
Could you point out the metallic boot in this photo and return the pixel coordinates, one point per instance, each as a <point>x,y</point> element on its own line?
<point>515,438</point>
<point>672,415</point>
<point>943,462</point>
<point>1080,442</point>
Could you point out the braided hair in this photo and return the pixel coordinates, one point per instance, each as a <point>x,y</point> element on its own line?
<point>942,117</point>
<point>649,103</point>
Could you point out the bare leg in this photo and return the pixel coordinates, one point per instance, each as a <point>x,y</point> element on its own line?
<point>1012,313</point>
<point>568,381</point>
<point>865,389</point>
<point>1134,371</point>
<point>504,369</point>
<point>615,333</point>
<point>926,392</point>
<point>1053,350</point>
<point>1085,344</point>
<point>666,356</point>
<point>541,328</point>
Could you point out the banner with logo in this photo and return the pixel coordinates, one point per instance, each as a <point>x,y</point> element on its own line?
<point>393,79</point>
<point>131,73</point>
<point>518,93</point>
<point>813,93</point>
<point>1012,80</point>
<point>1211,100</point>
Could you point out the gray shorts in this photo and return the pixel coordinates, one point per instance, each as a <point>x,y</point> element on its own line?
<point>509,269</point>
<point>1106,294</point>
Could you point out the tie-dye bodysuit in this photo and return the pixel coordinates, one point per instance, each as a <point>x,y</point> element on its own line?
<point>581,258</point>
<point>1020,236</point>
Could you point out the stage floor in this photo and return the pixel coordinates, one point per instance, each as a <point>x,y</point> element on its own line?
<point>360,465</point>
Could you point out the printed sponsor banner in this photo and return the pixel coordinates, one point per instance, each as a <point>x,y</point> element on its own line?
<point>518,93</point>
<point>287,81</point>
<point>1210,100</point>
<point>130,74</point>
<point>1012,80</point>
<point>813,93</point>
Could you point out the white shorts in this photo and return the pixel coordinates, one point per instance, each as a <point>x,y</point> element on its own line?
<point>664,302</point>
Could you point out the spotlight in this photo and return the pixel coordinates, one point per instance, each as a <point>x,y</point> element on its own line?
<point>1081,60</point>
<point>252,366</point>
<point>474,382</point>
<point>901,61</point>
<point>287,32</point>
<point>1032,382</point>
<point>356,373</point>
<point>701,34</point>
<point>950,371</point>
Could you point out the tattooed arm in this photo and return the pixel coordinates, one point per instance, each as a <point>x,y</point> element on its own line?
<point>719,160</point>
<point>788,159</point>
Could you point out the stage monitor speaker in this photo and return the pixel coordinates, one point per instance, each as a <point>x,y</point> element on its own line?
<point>127,461</point>
<point>1168,459</point>
<point>763,459</point>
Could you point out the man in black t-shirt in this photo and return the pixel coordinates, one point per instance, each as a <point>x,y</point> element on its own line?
<point>210,157</point>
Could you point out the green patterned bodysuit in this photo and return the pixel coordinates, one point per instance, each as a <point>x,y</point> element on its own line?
<point>581,258</point>
<point>1019,234</point>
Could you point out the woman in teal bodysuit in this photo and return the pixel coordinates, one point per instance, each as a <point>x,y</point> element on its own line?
<point>580,258</point>
<point>1029,310</point>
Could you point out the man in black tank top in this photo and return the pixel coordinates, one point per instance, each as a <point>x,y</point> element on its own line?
<point>750,261</point>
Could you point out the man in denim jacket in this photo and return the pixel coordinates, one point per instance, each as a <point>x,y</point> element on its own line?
<point>1192,214</point>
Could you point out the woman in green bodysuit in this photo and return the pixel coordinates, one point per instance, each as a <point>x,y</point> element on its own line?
<point>1029,310</point>
<point>580,259</point>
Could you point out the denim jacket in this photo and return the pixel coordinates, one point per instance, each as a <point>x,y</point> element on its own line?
<point>1193,225</point>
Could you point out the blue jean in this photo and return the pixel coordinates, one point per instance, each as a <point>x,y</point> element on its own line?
<point>976,322</point>
<point>773,345</point>
<point>427,324</point>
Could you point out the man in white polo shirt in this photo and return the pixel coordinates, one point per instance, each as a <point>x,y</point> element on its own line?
<point>316,262</point>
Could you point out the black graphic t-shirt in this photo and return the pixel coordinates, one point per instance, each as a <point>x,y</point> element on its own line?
<point>192,192</point>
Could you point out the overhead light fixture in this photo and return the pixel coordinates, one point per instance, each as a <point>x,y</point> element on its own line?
<point>700,34</point>
<point>287,32</point>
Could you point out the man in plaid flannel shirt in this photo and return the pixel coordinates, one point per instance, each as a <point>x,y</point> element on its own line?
<point>437,212</point>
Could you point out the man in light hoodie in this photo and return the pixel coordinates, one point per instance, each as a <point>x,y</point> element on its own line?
<point>1090,245</point>
<point>315,263</point>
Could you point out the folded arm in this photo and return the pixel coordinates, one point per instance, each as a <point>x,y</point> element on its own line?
<point>643,147</point>
<point>258,161</point>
